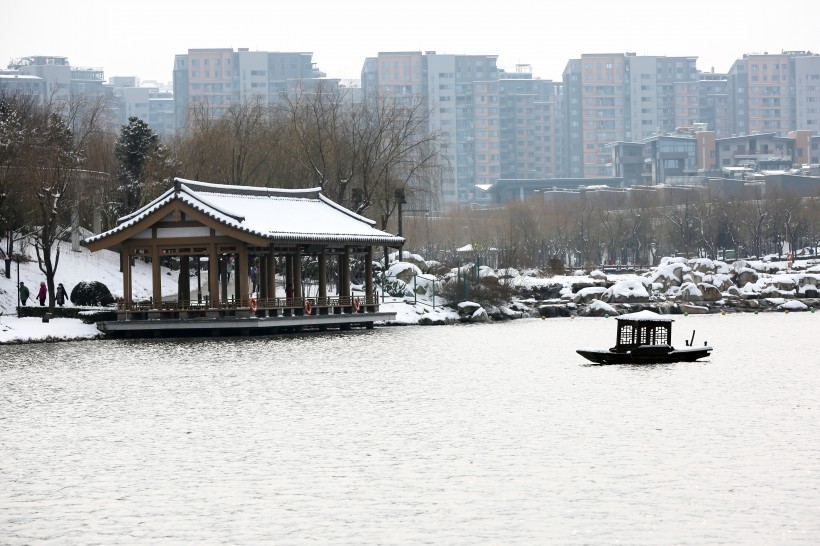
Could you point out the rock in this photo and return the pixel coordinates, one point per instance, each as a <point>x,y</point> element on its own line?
<point>745,276</point>
<point>710,292</point>
<point>600,309</point>
<point>693,309</point>
<point>467,308</point>
<point>627,291</point>
<point>793,305</point>
<point>588,294</point>
<point>689,291</point>
<point>598,275</point>
<point>552,311</point>
<point>480,315</point>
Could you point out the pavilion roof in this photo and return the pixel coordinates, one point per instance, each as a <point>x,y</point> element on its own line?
<point>279,215</point>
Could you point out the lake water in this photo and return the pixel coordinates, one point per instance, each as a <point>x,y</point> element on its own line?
<point>467,434</point>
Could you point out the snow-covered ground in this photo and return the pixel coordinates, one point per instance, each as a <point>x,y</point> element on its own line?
<point>696,285</point>
<point>103,266</point>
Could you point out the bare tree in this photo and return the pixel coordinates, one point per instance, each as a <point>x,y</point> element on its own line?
<point>56,154</point>
<point>17,121</point>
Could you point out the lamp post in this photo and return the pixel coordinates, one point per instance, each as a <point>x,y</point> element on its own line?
<point>17,259</point>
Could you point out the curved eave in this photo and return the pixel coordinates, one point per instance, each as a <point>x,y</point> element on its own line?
<point>313,238</point>
<point>127,230</point>
<point>218,220</point>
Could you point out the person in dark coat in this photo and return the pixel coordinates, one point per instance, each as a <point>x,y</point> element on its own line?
<point>60,295</point>
<point>23,293</point>
<point>42,294</point>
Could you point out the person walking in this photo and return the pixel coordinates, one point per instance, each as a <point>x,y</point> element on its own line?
<point>23,289</point>
<point>42,294</point>
<point>61,295</point>
<point>253,278</point>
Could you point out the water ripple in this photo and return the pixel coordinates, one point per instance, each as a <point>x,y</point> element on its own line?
<point>481,434</point>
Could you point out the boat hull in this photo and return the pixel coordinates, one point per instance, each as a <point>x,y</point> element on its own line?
<point>646,354</point>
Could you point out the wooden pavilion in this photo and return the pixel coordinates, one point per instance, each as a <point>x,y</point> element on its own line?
<point>240,226</point>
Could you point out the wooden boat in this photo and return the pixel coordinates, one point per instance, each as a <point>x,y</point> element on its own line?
<point>645,338</point>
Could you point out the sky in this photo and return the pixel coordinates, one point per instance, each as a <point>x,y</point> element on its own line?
<point>140,38</point>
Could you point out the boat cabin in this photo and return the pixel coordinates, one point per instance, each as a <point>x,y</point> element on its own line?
<point>643,328</point>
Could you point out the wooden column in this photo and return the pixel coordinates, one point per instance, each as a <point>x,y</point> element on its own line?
<point>184,281</point>
<point>368,274</point>
<point>237,287</point>
<point>241,272</point>
<point>213,275</point>
<point>297,273</point>
<point>156,277</point>
<point>271,275</point>
<point>125,258</point>
<point>323,276</point>
<point>346,271</point>
<point>223,278</point>
<point>288,270</point>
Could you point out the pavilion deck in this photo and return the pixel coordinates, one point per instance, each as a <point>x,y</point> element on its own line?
<point>272,316</point>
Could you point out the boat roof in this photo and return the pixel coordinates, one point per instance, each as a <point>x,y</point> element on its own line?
<point>645,316</point>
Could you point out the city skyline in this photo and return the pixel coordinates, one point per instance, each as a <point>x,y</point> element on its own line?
<point>142,39</point>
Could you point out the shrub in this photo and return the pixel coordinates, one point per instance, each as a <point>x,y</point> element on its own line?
<point>556,266</point>
<point>91,293</point>
<point>486,292</point>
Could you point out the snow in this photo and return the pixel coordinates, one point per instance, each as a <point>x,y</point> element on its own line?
<point>285,214</point>
<point>104,266</point>
<point>74,267</point>
<point>26,329</point>
<point>658,286</point>
<point>646,315</point>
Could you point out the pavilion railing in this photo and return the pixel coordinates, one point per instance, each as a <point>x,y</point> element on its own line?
<point>316,305</point>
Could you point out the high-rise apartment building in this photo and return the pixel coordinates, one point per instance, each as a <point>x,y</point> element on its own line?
<point>461,94</point>
<point>488,123</point>
<point>531,143</point>
<point>596,111</point>
<point>806,82</point>
<point>715,108</point>
<point>623,97</point>
<point>214,79</point>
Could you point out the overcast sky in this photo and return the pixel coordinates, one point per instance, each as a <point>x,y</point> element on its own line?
<point>141,38</point>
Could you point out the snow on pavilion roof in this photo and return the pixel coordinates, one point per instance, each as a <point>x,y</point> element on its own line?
<point>276,214</point>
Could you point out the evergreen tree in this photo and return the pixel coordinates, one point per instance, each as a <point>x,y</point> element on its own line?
<point>137,143</point>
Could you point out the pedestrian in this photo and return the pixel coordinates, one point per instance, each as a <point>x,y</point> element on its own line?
<point>61,295</point>
<point>289,293</point>
<point>253,278</point>
<point>42,294</point>
<point>23,293</point>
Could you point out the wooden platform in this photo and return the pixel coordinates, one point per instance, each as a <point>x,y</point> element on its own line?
<point>240,326</point>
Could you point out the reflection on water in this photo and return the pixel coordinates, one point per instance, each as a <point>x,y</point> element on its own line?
<point>480,434</point>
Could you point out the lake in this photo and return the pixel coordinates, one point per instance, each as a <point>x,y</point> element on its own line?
<point>464,434</point>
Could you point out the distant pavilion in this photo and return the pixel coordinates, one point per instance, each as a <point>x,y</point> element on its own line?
<point>246,226</point>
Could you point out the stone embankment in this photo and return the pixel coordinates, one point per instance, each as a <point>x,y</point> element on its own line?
<point>675,286</point>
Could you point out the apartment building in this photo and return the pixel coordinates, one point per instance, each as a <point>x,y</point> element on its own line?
<point>461,94</point>
<point>530,138</point>
<point>216,78</point>
<point>714,105</point>
<point>806,82</point>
